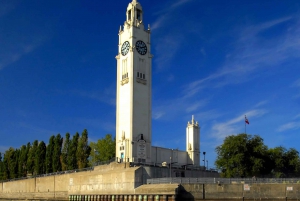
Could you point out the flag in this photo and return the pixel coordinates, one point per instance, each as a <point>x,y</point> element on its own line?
<point>246,120</point>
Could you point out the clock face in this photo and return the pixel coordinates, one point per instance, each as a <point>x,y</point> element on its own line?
<point>125,48</point>
<point>141,47</point>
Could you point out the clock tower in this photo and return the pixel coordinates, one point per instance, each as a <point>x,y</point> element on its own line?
<point>133,98</point>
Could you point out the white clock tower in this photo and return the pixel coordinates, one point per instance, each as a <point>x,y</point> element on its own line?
<point>133,109</point>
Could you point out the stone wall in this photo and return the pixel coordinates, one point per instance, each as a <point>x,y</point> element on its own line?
<point>106,179</point>
<point>239,192</point>
<point>121,179</point>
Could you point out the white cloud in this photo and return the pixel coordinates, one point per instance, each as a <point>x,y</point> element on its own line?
<point>9,57</point>
<point>207,115</point>
<point>233,126</point>
<point>177,106</point>
<point>289,126</point>
<point>251,55</point>
<point>296,83</point>
<point>168,44</point>
<point>6,6</point>
<point>179,3</point>
<point>166,47</point>
<point>261,103</point>
<point>106,96</point>
<point>168,9</point>
<point>297,116</point>
<point>157,114</point>
<point>195,106</point>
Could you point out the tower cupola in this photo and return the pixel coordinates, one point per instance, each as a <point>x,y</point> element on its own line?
<point>134,14</point>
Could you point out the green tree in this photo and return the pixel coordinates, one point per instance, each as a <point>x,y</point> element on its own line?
<point>49,155</point>
<point>284,163</point>
<point>292,163</point>
<point>72,150</point>
<point>83,150</point>
<point>1,167</point>
<point>31,156</point>
<point>103,150</point>
<point>65,152</point>
<point>10,161</point>
<point>23,161</point>
<point>5,168</point>
<point>56,165</point>
<point>242,155</point>
<point>40,159</point>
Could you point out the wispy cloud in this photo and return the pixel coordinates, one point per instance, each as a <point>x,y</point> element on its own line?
<point>208,115</point>
<point>163,47</point>
<point>296,83</point>
<point>9,57</point>
<point>251,55</point>
<point>261,103</point>
<point>167,10</point>
<point>95,123</point>
<point>297,116</point>
<point>6,6</point>
<point>177,106</point>
<point>170,41</point>
<point>106,96</point>
<point>232,126</point>
<point>289,126</point>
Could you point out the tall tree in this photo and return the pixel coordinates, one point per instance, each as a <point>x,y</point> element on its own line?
<point>10,161</point>
<point>103,150</point>
<point>5,168</point>
<point>22,161</point>
<point>242,156</point>
<point>284,163</point>
<point>1,168</point>
<point>40,159</point>
<point>49,155</point>
<point>31,156</point>
<point>83,150</point>
<point>72,150</point>
<point>56,153</point>
<point>65,152</point>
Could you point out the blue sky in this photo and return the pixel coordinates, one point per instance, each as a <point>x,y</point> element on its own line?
<point>218,60</point>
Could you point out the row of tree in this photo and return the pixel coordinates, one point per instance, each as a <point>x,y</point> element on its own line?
<point>38,158</point>
<point>247,156</point>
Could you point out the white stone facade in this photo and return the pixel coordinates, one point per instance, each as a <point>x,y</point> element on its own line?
<point>133,101</point>
<point>133,115</point>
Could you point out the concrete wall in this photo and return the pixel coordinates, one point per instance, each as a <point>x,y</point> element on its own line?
<point>161,172</point>
<point>160,155</point>
<point>238,192</point>
<point>106,179</point>
<point>120,179</point>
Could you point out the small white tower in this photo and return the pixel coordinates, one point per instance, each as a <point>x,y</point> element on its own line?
<point>193,142</point>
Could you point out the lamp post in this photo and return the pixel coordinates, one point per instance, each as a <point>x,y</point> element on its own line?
<point>204,158</point>
<point>170,167</point>
<point>207,164</point>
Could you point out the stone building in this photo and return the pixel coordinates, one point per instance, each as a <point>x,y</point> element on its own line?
<point>133,101</point>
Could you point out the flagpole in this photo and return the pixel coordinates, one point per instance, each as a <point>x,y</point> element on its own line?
<point>245,125</point>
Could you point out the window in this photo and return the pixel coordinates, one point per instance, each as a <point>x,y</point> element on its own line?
<point>138,14</point>
<point>129,15</point>
<point>143,76</point>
